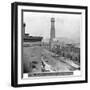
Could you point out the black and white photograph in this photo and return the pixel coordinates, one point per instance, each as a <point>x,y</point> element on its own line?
<point>51,43</point>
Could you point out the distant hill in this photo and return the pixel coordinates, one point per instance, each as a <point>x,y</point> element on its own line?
<point>63,40</point>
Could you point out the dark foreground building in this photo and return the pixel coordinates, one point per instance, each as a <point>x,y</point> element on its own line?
<point>31,53</point>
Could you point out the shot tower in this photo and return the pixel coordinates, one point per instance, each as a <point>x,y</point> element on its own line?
<point>52,32</point>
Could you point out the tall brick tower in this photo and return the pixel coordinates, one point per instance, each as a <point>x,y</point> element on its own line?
<point>52,32</point>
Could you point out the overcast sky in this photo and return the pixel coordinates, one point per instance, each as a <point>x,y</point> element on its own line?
<point>66,25</point>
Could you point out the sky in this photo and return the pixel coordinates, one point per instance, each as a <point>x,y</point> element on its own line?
<point>66,25</point>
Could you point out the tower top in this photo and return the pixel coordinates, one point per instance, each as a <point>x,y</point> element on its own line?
<point>52,19</point>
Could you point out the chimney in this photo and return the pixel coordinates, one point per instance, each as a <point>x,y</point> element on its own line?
<point>52,32</point>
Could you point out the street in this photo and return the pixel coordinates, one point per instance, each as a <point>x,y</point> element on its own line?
<point>41,55</point>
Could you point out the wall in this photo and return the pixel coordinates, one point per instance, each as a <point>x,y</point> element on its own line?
<point>5,46</point>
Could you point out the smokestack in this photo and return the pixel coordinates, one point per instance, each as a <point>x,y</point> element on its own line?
<point>52,32</point>
<point>52,36</point>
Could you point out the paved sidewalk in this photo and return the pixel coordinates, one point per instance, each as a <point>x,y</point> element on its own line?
<point>68,61</point>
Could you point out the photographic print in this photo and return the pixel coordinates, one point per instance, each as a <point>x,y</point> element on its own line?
<point>51,44</point>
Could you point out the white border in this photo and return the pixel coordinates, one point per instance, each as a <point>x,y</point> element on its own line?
<point>58,78</point>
